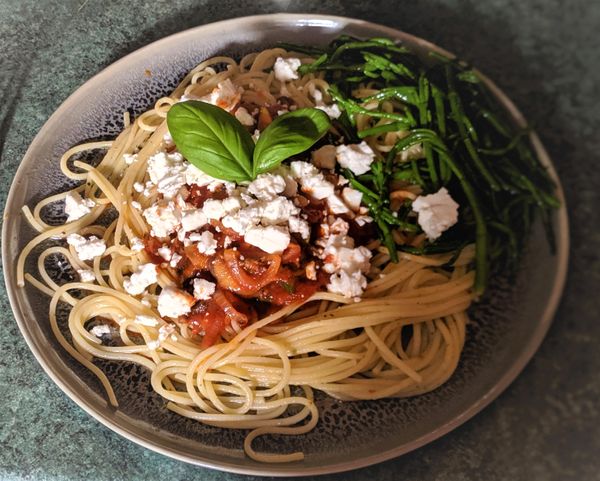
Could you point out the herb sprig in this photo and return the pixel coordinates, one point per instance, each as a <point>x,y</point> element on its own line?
<point>217,143</point>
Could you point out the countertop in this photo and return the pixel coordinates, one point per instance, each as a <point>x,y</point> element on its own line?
<point>545,54</point>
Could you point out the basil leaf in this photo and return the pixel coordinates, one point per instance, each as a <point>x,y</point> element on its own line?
<point>289,134</point>
<point>212,139</point>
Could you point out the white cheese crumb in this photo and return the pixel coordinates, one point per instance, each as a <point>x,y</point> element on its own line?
<point>324,158</point>
<point>352,198</point>
<point>193,219</point>
<point>267,186</point>
<point>244,117</point>
<point>144,276</point>
<point>207,244</point>
<point>146,320</point>
<point>164,219</point>
<point>363,219</point>
<point>165,331</point>
<point>138,187</point>
<point>130,158</point>
<point>333,111</point>
<point>299,226</point>
<point>203,289</point>
<point>86,249</point>
<point>312,180</point>
<point>286,69</point>
<point>86,275</point>
<point>193,175</point>
<point>101,330</point>
<point>136,205</point>
<point>271,239</point>
<point>174,303</point>
<point>225,95</point>
<point>76,207</point>
<point>437,212</point>
<point>216,209</point>
<point>347,284</point>
<point>165,252</point>
<point>167,173</point>
<point>175,258</point>
<point>136,244</point>
<point>356,157</point>
<point>337,205</point>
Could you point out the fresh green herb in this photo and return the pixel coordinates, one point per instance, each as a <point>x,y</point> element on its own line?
<point>468,144</point>
<point>212,140</point>
<point>288,135</point>
<point>288,287</point>
<point>218,144</point>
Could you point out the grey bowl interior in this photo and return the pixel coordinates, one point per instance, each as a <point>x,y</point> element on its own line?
<point>506,331</point>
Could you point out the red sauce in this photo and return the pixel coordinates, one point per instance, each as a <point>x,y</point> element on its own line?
<point>247,278</point>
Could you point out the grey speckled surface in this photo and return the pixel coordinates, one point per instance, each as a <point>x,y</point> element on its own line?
<point>544,54</point>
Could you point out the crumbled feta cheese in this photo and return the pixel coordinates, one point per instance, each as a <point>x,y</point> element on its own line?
<point>267,186</point>
<point>436,212</point>
<point>136,244</point>
<point>165,331</point>
<point>347,284</point>
<point>174,303</point>
<point>313,182</point>
<point>136,205</point>
<point>256,135</point>
<point>346,264</point>
<point>76,207</point>
<point>276,211</point>
<point>340,258</point>
<point>337,205</point>
<point>144,276</point>
<point>167,172</point>
<point>165,252</point>
<point>203,289</point>
<point>101,330</point>
<point>86,275</point>
<point>324,158</point>
<point>286,69</point>
<point>86,249</point>
<point>299,226</point>
<point>207,244</point>
<point>168,140</point>
<point>271,239</point>
<point>143,320</point>
<point>225,95</point>
<point>130,159</point>
<point>363,219</point>
<point>356,157</point>
<point>138,187</point>
<point>216,209</point>
<point>242,220</point>
<point>244,117</point>
<point>163,218</point>
<point>352,198</point>
<point>291,186</point>
<point>193,175</point>
<point>193,219</point>
<point>333,111</point>
<point>175,258</point>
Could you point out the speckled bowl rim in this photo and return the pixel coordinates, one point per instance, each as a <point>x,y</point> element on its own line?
<point>272,470</point>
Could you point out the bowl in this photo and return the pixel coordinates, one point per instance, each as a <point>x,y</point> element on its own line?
<point>506,330</point>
